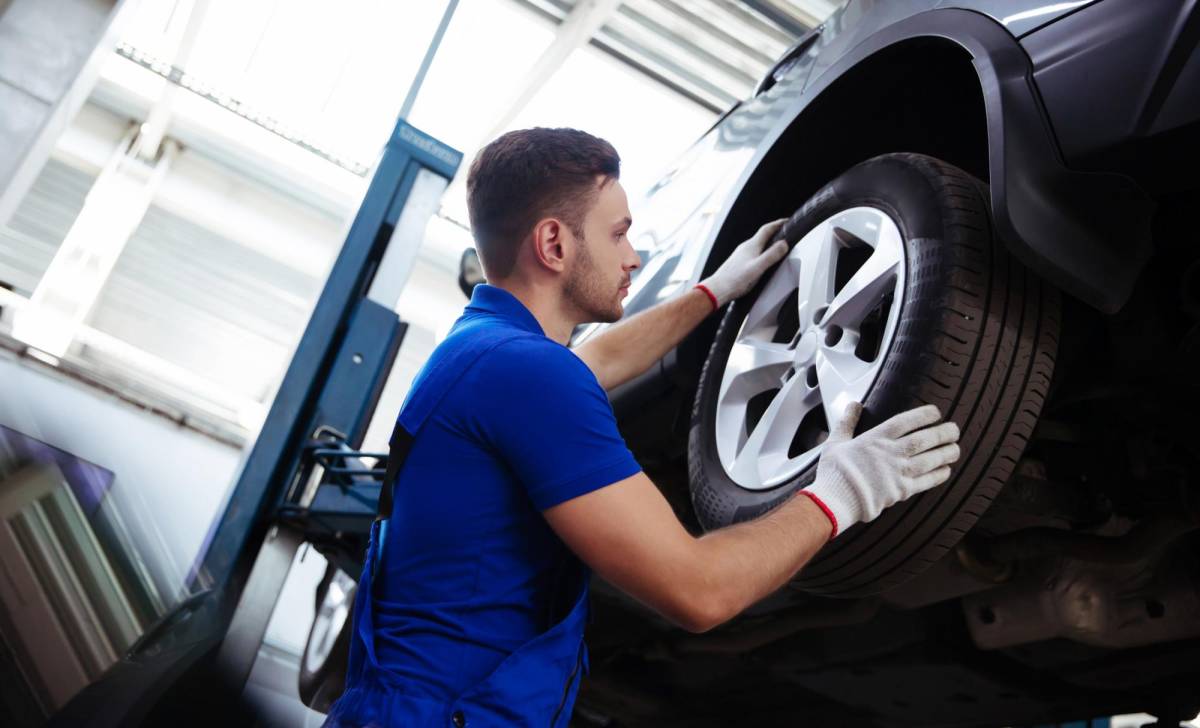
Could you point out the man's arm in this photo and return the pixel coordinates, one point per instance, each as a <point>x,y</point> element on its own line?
<point>627,533</point>
<point>630,347</point>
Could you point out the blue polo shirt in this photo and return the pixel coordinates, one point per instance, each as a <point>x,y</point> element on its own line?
<point>471,570</point>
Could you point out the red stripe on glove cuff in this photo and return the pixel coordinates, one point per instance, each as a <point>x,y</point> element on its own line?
<point>710,295</point>
<point>824,509</point>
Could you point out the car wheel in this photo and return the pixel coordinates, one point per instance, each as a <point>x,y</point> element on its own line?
<point>323,665</point>
<point>895,293</point>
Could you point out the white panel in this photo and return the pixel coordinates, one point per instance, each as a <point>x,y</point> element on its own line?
<point>407,238</point>
<point>37,228</point>
<point>206,303</point>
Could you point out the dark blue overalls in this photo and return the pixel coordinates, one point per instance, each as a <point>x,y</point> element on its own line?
<point>536,684</point>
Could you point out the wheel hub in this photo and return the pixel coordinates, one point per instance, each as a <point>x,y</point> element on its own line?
<point>806,347</point>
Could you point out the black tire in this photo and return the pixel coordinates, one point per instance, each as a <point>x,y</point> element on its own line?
<point>977,335</point>
<point>321,681</point>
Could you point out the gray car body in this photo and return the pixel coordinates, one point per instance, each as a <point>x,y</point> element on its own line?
<point>1081,224</point>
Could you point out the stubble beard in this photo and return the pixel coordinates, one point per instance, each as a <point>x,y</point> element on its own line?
<point>585,289</point>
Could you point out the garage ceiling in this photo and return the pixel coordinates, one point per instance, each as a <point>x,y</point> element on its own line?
<point>712,51</point>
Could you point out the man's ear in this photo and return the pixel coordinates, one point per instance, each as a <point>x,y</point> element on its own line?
<point>549,244</point>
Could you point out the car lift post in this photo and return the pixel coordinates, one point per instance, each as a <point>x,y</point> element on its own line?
<point>332,386</point>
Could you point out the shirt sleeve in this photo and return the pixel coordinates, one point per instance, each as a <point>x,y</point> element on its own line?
<point>551,422</point>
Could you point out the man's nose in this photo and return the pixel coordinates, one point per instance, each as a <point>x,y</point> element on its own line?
<point>633,260</point>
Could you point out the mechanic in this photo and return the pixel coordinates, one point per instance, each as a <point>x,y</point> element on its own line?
<point>515,483</point>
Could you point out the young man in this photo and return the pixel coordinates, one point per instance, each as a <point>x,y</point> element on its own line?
<point>515,483</point>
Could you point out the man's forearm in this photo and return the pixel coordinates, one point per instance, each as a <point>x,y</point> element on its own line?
<point>743,563</point>
<point>629,347</point>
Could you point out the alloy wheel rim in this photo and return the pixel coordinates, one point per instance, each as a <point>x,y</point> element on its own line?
<point>330,618</point>
<point>814,340</point>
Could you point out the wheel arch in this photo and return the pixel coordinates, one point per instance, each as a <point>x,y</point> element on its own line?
<point>951,127</point>
<point>1087,233</point>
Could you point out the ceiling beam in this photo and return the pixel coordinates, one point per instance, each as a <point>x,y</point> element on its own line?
<point>587,17</point>
<point>427,61</point>
<point>712,99</point>
<point>781,17</point>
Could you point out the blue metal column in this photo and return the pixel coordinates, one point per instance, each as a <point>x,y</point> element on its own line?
<point>196,659</point>
<point>332,386</point>
<point>276,453</point>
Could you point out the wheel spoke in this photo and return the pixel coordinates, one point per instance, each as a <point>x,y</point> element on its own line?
<point>867,287</point>
<point>816,258</point>
<point>841,378</point>
<point>754,366</point>
<point>753,355</point>
<point>765,452</point>
<point>764,314</point>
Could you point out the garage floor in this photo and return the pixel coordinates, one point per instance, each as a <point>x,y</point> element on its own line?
<point>272,689</point>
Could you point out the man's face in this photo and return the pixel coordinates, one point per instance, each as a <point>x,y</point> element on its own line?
<point>604,258</point>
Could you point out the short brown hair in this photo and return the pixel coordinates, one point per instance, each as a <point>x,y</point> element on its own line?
<point>524,176</point>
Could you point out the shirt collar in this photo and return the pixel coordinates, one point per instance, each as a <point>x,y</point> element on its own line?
<point>497,301</point>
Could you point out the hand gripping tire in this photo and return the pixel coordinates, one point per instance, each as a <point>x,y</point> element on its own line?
<point>973,332</point>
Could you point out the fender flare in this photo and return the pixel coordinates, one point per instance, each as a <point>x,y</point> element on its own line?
<point>1088,233</point>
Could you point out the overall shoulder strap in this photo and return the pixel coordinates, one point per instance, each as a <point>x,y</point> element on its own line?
<point>448,363</point>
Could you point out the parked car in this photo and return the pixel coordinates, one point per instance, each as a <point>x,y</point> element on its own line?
<point>991,209</point>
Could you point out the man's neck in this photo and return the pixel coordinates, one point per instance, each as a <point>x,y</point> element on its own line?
<point>546,306</point>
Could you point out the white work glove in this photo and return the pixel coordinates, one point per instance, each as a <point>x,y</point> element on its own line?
<point>746,264</point>
<point>858,477</point>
